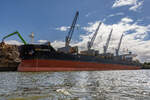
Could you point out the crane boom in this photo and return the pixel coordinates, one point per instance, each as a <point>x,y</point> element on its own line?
<point>107,43</point>
<point>117,50</point>
<point>70,33</point>
<point>90,44</point>
<point>14,34</point>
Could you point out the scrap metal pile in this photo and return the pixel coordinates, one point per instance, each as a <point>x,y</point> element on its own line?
<point>9,54</point>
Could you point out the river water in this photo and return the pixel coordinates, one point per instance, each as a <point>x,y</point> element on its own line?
<point>85,85</point>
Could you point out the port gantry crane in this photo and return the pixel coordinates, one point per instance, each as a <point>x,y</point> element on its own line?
<point>107,43</point>
<point>14,34</point>
<point>90,44</point>
<point>117,50</point>
<point>68,48</point>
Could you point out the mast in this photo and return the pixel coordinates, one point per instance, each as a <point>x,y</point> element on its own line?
<point>32,37</point>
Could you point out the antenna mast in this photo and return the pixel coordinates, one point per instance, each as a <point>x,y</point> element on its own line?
<point>32,37</point>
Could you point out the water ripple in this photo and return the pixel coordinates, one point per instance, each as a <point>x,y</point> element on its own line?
<point>92,85</point>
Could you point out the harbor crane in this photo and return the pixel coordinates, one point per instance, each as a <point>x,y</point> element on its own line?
<point>90,43</point>
<point>117,50</point>
<point>14,34</point>
<point>68,48</point>
<point>107,43</point>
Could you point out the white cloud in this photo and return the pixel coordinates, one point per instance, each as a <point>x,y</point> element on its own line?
<point>42,41</point>
<point>134,8</point>
<point>132,41</point>
<point>117,14</point>
<point>119,3</point>
<point>58,44</point>
<point>63,28</point>
<point>20,43</point>
<point>126,20</point>
<point>135,4</point>
<point>14,42</point>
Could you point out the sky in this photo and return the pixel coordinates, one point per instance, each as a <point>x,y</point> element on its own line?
<point>50,20</point>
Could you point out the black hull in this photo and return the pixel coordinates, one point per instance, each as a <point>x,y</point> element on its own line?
<point>47,52</point>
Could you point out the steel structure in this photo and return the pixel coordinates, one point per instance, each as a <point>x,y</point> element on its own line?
<point>70,33</point>
<point>14,34</point>
<point>117,50</point>
<point>32,37</point>
<point>90,44</point>
<point>107,43</point>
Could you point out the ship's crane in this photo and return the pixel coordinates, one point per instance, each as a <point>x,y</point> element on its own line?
<point>14,34</point>
<point>90,51</point>
<point>107,43</point>
<point>90,43</point>
<point>68,48</point>
<point>117,50</point>
<point>70,33</point>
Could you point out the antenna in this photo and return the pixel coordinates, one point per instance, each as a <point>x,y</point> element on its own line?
<point>32,37</point>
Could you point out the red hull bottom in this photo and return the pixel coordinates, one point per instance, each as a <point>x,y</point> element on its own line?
<point>63,65</point>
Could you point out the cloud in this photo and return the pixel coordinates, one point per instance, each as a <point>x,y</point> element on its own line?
<point>126,20</point>
<point>117,14</point>
<point>112,15</point>
<point>119,3</point>
<point>58,44</point>
<point>42,41</point>
<point>133,39</point>
<point>135,7</point>
<point>90,13</point>
<point>63,28</point>
<point>135,4</point>
<point>13,42</point>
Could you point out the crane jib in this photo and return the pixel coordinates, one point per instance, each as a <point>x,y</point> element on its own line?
<point>14,34</point>
<point>70,33</point>
<point>90,44</point>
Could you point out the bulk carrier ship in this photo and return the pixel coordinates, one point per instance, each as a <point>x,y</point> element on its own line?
<point>43,57</point>
<point>36,57</point>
